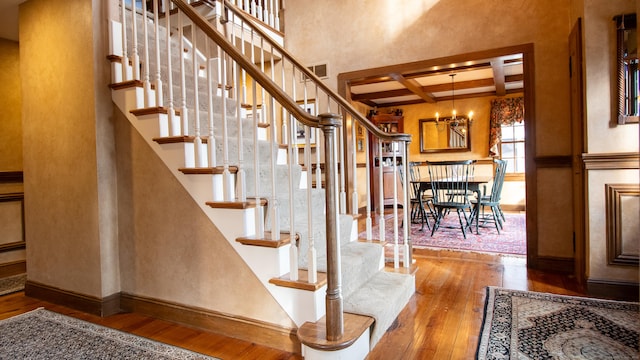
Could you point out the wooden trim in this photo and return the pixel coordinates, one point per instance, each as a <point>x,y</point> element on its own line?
<point>150,111</point>
<point>126,84</point>
<point>174,139</point>
<point>11,177</point>
<point>514,177</point>
<point>90,304</point>
<point>17,196</point>
<point>251,330</point>
<point>558,161</point>
<point>613,196</point>
<point>13,268</point>
<point>236,204</point>
<point>314,335</point>
<point>554,264</point>
<point>266,240</point>
<point>613,289</point>
<point>208,170</point>
<point>345,80</point>
<point>513,207</point>
<point>18,245</point>
<point>301,283</point>
<point>611,161</point>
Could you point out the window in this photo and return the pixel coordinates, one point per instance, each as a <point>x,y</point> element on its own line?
<point>512,147</point>
<point>320,70</point>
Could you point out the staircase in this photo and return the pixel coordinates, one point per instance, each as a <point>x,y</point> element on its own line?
<point>214,97</point>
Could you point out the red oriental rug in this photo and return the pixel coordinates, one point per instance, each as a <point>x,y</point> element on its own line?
<point>511,240</point>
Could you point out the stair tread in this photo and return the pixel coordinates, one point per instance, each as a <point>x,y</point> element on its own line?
<point>266,240</point>
<point>235,204</point>
<point>301,283</point>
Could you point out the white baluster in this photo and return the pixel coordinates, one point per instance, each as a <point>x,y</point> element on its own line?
<point>134,30</point>
<point>148,99</point>
<point>226,174</point>
<point>406,206</point>
<point>275,220</point>
<point>276,10</point>
<point>396,252</point>
<point>201,160</point>
<point>381,224</point>
<point>241,192</point>
<point>354,168</point>
<point>312,261</point>
<point>126,74</point>
<point>368,187</point>
<point>158,80</point>
<point>174,121</point>
<point>271,15</point>
<point>183,86</point>
<point>211,142</point>
<point>293,249</point>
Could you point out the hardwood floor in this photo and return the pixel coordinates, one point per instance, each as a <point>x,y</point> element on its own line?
<point>441,321</point>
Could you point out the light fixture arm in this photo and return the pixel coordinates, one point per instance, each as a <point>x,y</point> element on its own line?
<point>453,97</point>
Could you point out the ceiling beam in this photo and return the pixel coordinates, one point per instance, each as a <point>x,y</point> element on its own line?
<point>413,86</point>
<point>498,76</point>
<point>426,89</point>
<point>444,98</point>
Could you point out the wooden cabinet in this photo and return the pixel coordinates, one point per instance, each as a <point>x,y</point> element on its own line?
<point>383,161</point>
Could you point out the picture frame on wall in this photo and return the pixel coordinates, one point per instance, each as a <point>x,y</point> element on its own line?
<point>301,130</point>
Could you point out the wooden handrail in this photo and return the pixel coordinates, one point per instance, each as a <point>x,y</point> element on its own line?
<point>271,87</point>
<point>309,74</point>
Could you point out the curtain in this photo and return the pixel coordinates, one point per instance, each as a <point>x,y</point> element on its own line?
<point>504,111</point>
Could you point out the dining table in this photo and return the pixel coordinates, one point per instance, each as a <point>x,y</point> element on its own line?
<point>474,183</point>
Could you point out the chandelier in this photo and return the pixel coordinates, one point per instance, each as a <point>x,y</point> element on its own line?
<point>454,121</point>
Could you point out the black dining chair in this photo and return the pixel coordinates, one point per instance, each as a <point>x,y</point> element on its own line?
<point>492,200</point>
<point>450,188</point>
<point>418,212</point>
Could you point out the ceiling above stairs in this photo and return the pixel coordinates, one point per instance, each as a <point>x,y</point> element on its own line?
<point>408,84</point>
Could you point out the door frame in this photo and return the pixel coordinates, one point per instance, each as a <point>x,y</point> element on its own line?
<point>527,51</point>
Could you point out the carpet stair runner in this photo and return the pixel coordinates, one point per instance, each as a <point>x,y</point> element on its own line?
<point>367,288</point>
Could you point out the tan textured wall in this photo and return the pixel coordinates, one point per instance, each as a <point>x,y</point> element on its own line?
<point>603,135</point>
<point>59,130</point>
<point>352,35</point>
<point>86,235</point>
<point>11,104</point>
<point>169,248</point>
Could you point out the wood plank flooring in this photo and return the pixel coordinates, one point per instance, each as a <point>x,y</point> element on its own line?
<point>441,321</point>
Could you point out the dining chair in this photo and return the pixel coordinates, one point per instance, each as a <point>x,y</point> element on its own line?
<point>492,200</point>
<point>418,212</point>
<point>450,188</point>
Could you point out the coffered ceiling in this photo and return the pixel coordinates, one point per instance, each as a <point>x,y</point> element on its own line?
<point>412,84</point>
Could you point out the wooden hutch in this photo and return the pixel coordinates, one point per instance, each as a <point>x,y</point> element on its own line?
<point>390,123</point>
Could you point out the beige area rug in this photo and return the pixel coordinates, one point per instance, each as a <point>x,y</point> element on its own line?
<point>43,334</point>
<point>12,284</point>
<point>530,325</point>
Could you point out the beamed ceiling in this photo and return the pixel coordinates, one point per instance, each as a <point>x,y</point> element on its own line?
<point>408,84</point>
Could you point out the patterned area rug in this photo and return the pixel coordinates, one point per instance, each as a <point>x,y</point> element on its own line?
<point>511,240</point>
<point>530,325</point>
<point>12,284</point>
<point>42,334</point>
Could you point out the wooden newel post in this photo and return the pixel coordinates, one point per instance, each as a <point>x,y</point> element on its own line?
<point>335,325</point>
